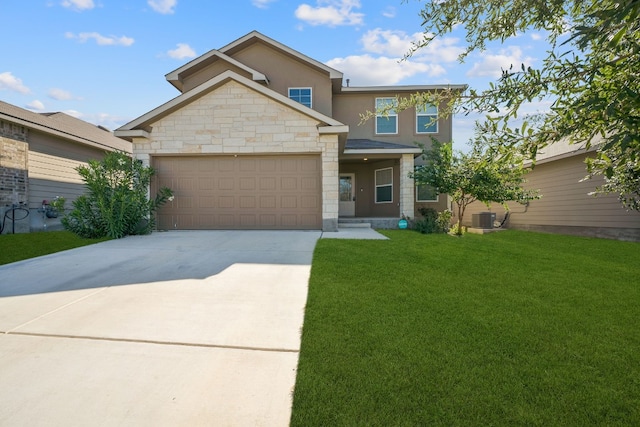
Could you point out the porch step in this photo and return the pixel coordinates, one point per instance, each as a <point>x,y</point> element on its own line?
<point>353,224</point>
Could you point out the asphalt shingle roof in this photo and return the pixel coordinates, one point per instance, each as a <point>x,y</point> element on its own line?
<point>75,129</point>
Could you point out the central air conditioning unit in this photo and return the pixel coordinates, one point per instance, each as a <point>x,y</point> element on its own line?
<point>483,220</point>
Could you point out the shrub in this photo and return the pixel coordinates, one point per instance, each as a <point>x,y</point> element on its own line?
<point>116,203</point>
<point>428,223</point>
<point>444,220</point>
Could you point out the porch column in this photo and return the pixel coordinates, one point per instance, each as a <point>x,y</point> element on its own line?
<point>407,205</point>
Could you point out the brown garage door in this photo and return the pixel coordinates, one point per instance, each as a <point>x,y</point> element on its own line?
<point>243,192</point>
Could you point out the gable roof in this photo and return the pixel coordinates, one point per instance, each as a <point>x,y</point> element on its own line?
<point>62,125</point>
<point>177,76</point>
<point>225,53</point>
<point>255,36</point>
<point>140,126</point>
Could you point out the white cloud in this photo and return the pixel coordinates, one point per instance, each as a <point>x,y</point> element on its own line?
<point>60,95</point>
<point>100,39</point>
<point>389,12</point>
<point>536,36</point>
<point>183,51</point>
<point>165,7</point>
<point>261,4</point>
<point>10,82</point>
<point>398,43</point>
<point>366,70</point>
<point>74,113</point>
<point>35,105</point>
<point>491,65</point>
<point>79,4</point>
<point>330,13</point>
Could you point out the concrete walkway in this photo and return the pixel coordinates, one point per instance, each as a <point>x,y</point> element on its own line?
<point>178,328</point>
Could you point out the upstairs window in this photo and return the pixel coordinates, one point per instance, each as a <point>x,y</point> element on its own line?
<point>301,95</point>
<point>386,124</point>
<point>427,119</point>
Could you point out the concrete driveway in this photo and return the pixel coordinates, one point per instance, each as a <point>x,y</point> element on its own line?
<point>171,329</point>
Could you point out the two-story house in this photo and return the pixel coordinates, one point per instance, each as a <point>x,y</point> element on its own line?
<point>264,137</point>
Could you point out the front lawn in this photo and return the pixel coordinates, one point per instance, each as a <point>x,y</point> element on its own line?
<point>507,329</point>
<point>17,247</point>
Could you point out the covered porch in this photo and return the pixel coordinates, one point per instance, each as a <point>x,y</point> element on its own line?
<point>375,186</point>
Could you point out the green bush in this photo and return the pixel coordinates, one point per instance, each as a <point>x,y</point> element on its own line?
<point>116,202</point>
<point>432,221</point>
<point>444,220</point>
<point>428,223</point>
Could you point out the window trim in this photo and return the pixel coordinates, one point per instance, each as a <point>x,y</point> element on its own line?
<point>424,114</point>
<point>298,88</point>
<point>376,186</point>
<point>437,199</point>
<point>393,115</point>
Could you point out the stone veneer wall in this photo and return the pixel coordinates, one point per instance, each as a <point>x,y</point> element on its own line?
<point>237,119</point>
<point>14,177</point>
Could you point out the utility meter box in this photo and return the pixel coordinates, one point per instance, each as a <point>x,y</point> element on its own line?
<point>483,220</point>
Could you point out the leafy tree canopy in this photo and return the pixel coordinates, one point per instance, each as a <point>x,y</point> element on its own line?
<point>481,174</point>
<point>591,73</point>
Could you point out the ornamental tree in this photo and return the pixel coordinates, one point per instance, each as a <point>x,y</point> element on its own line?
<point>591,73</point>
<point>483,174</point>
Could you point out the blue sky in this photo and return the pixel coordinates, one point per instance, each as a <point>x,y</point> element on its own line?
<point>104,61</point>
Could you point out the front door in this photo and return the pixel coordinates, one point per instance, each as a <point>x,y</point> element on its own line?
<point>347,205</point>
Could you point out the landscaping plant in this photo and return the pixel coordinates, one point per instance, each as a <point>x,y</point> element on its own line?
<point>483,174</point>
<point>116,203</point>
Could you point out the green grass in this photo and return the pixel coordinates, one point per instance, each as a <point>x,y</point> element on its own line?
<point>505,329</point>
<point>17,247</point>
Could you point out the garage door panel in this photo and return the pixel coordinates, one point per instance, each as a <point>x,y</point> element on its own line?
<point>268,202</point>
<point>267,184</point>
<point>268,220</point>
<point>226,183</point>
<point>310,202</point>
<point>252,192</point>
<point>247,202</point>
<point>247,184</point>
<point>226,202</point>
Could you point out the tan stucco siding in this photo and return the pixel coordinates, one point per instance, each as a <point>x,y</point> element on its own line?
<point>565,200</point>
<point>234,119</point>
<point>218,67</point>
<point>284,72</point>
<point>347,108</point>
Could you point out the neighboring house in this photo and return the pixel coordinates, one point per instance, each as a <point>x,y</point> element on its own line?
<point>566,206</point>
<point>264,137</point>
<point>38,157</point>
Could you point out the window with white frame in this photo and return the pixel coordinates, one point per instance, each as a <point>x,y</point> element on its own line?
<point>386,123</point>
<point>426,193</point>
<point>301,95</point>
<point>384,185</point>
<point>427,119</point>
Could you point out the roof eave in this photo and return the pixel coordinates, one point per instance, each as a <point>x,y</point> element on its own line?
<point>58,133</point>
<point>383,151</point>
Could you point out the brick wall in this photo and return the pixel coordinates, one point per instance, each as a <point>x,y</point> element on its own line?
<point>13,163</point>
<point>14,177</point>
